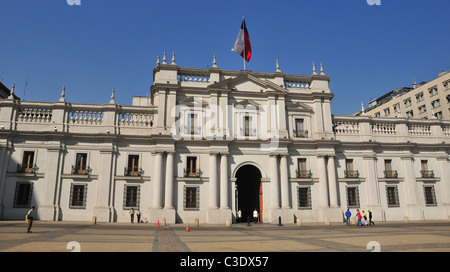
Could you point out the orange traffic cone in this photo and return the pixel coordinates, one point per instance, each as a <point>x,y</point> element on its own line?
<point>187,227</point>
<point>157,224</point>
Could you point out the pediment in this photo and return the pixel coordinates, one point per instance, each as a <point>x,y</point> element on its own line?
<point>246,103</point>
<point>248,83</point>
<point>299,106</point>
<point>193,102</point>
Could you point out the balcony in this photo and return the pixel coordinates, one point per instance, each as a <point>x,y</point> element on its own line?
<point>300,133</point>
<point>303,173</point>
<point>427,173</point>
<point>192,173</point>
<point>351,174</point>
<point>133,172</point>
<point>78,171</point>
<point>390,174</point>
<point>27,168</point>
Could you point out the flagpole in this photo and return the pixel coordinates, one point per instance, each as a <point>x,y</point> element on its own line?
<point>244,39</point>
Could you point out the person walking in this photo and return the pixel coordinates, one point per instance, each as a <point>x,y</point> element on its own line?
<point>132,215</point>
<point>348,214</point>
<point>29,218</point>
<point>255,216</point>
<point>370,218</point>
<point>239,215</point>
<point>138,214</point>
<point>358,214</point>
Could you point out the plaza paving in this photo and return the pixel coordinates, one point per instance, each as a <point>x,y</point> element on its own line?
<point>49,236</point>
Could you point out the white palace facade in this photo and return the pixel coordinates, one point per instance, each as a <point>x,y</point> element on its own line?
<point>210,142</point>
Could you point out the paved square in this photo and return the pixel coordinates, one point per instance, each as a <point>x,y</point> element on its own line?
<point>50,236</point>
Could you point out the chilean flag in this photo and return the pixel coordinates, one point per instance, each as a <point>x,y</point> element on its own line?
<point>242,45</point>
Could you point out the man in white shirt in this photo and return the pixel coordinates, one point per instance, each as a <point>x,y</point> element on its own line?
<point>29,218</point>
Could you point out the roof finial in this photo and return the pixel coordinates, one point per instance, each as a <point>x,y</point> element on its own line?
<point>164,58</point>
<point>314,69</point>
<point>112,97</point>
<point>63,94</point>
<point>321,69</point>
<point>157,60</point>
<point>214,62</point>
<point>278,67</point>
<point>173,58</point>
<point>11,96</point>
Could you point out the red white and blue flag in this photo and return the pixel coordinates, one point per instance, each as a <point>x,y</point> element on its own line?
<point>242,45</point>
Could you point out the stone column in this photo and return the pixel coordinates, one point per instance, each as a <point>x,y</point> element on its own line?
<point>332,182</point>
<point>169,182</point>
<point>158,181</point>
<point>412,201</point>
<point>224,182</point>
<point>213,182</point>
<point>323,188</point>
<point>274,183</point>
<point>444,183</point>
<point>52,170</point>
<point>285,201</point>
<point>101,209</point>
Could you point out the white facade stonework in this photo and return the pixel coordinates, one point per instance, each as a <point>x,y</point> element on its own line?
<point>208,142</point>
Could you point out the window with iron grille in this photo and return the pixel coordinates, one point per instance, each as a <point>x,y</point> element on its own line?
<point>352,197</point>
<point>22,197</point>
<point>131,196</point>
<point>191,198</point>
<point>304,198</point>
<point>430,195</point>
<point>78,194</point>
<point>392,196</point>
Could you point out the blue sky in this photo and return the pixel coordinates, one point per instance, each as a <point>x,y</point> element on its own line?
<point>104,44</point>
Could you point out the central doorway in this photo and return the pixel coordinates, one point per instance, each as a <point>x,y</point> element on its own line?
<point>249,192</point>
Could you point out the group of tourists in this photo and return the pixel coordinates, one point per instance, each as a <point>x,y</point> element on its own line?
<point>362,218</point>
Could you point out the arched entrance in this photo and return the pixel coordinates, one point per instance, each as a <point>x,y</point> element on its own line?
<point>249,191</point>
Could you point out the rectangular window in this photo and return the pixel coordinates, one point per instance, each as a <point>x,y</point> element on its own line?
<point>192,123</point>
<point>433,91</point>
<point>426,173</point>
<point>387,112</point>
<point>407,102</point>
<point>22,198</point>
<point>80,165</point>
<point>392,196</point>
<point>191,167</point>
<point>352,197</point>
<point>350,171</point>
<point>191,198</point>
<point>78,196</point>
<point>436,103</point>
<point>388,171</point>
<point>430,195</point>
<point>27,165</point>
<point>247,125</point>
<point>410,114</point>
<point>299,128</point>
<point>133,165</point>
<point>302,171</point>
<point>304,198</point>
<point>131,196</point>
<point>419,97</point>
<point>397,108</point>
